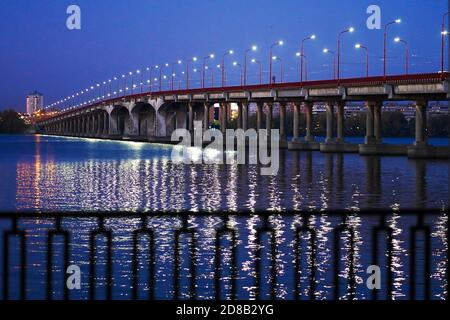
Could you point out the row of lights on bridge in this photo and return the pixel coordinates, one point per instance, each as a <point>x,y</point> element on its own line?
<point>243,69</point>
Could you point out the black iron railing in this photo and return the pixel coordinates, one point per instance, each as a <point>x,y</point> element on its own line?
<point>375,228</point>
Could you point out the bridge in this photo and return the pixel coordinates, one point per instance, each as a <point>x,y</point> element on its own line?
<point>153,116</point>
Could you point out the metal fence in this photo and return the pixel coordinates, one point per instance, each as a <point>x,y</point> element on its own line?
<point>381,235</point>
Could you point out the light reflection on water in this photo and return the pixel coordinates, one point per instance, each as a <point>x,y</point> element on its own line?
<point>62,174</point>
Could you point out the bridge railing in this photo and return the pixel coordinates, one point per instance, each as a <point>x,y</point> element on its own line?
<point>288,255</point>
<point>377,80</point>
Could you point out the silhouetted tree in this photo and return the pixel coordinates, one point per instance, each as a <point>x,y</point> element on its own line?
<point>10,122</point>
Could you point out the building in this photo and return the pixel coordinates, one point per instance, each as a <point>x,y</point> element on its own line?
<point>35,102</point>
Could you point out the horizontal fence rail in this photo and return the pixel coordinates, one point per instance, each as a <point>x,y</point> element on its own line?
<point>258,256</point>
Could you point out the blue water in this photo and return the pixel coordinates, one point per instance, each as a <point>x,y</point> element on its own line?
<point>43,173</point>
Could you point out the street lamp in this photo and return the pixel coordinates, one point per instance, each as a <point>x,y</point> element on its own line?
<point>150,69</point>
<point>328,51</point>
<point>229,52</point>
<point>302,53</point>
<point>360,46</point>
<point>260,69</point>
<point>275,58</point>
<point>240,67</point>
<point>211,56</point>
<point>397,21</point>
<point>279,43</point>
<point>444,33</point>
<point>173,71</point>
<point>350,30</point>
<point>253,48</point>
<point>398,40</point>
<point>194,59</point>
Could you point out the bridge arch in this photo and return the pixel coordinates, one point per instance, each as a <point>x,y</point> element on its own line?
<point>119,120</point>
<point>144,117</point>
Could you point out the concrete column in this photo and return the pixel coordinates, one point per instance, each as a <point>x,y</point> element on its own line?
<point>94,125</point>
<point>330,121</point>
<point>283,121</point>
<point>239,122</point>
<point>105,123</point>
<point>377,122</point>
<point>309,125</point>
<point>296,128</point>
<point>370,105</point>
<point>223,110</point>
<point>259,116</point>
<point>340,122</point>
<point>421,123</point>
<point>190,116</point>
<point>206,116</point>
<point>99,124</point>
<point>245,116</point>
<point>269,117</point>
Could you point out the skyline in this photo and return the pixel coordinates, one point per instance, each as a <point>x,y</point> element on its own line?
<point>46,69</point>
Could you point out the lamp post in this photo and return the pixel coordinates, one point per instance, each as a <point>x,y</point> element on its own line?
<point>397,21</point>
<point>194,59</point>
<point>279,43</point>
<point>444,33</point>
<point>334,60</point>
<point>398,40</point>
<point>360,46</point>
<point>229,52</point>
<point>260,69</point>
<point>302,54</point>
<point>350,30</point>
<point>275,58</point>
<point>211,56</point>
<point>253,48</point>
<point>173,72</point>
<point>151,76</point>
<point>124,85</point>
<point>161,76</point>
<point>240,68</point>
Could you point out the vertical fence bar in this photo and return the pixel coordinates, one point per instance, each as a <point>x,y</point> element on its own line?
<point>343,227</point>
<point>297,266</point>
<point>14,232</point>
<point>375,233</point>
<point>94,234</point>
<point>144,231</point>
<point>50,235</point>
<point>273,275</point>
<point>412,262</point>
<point>221,232</point>
<point>184,230</point>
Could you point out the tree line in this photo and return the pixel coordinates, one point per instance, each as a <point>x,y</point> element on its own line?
<point>11,122</point>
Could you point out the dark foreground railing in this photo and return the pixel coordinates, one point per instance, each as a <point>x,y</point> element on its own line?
<point>290,255</point>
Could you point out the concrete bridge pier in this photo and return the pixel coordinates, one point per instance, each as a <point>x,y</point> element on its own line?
<point>373,142</point>
<point>259,113</point>
<point>283,135</point>
<point>421,148</point>
<point>338,144</point>
<point>244,114</point>
<point>206,108</point>
<point>223,117</point>
<point>269,117</point>
<point>308,143</point>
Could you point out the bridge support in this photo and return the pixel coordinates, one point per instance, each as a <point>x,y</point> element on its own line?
<point>224,116</point>
<point>338,144</point>
<point>259,116</point>
<point>244,115</point>
<point>308,143</point>
<point>283,139</point>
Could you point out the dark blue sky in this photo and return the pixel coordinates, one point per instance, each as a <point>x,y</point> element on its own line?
<point>37,51</point>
